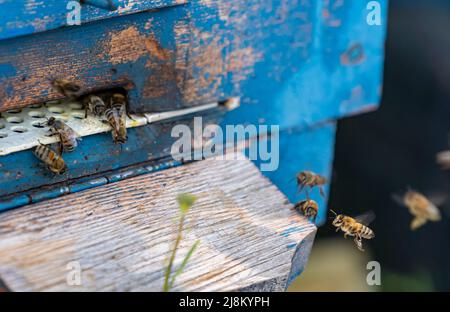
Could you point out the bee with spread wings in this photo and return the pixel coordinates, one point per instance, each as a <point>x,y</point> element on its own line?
<point>356,227</point>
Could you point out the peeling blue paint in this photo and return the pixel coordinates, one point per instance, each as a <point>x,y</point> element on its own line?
<point>13,202</point>
<point>81,186</point>
<point>7,69</point>
<point>46,194</point>
<point>292,245</point>
<point>289,231</point>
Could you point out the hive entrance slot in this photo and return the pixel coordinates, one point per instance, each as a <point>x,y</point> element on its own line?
<point>26,128</point>
<point>22,129</point>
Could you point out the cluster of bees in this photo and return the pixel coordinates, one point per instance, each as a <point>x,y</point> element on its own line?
<point>354,227</point>
<point>419,206</point>
<point>110,108</point>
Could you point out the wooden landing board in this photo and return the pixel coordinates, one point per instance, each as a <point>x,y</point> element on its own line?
<point>121,233</point>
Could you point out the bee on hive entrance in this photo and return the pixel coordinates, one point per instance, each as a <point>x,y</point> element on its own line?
<point>420,207</point>
<point>308,207</point>
<point>115,116</point>
<point>68,138</point>
<point>310,179</point>
<point>66,88</point>
<point>55,163</point>
<point>357,227</point>
<point>95,105</point>
<point>119,101</point>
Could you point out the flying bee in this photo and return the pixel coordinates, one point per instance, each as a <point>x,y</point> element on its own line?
<point>357,227</point>
<point>420,207</point>
<point>55,163</point>
<point>311,179</point>
<point>116,119</point>
<point>66,88</point>
<point>308,207</point>
<point>443,159</point>
<point>95,105</point>
<point>68,138</point>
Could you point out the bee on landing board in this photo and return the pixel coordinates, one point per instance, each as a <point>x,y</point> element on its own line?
<point>356,227</point>
<point>116,119</point>
<point>420,207</point>
<point>67,88</point>
<point>95,105</point>
<point>68,138</point>
<point>308,208</point>
<point>310,179</point>
<point>119,101</point>
<point>54,162</point>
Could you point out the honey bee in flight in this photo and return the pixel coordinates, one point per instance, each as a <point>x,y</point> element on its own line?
<point>68,138</point>
<point>116,119</point>
<point>443,159</point>
<point>66,88</point>
<point>420,207</point>
<point>356,227</point>
<point>308,207</point>
<point>311,179</point>
<point>95,105</point>
<point>55,163</point>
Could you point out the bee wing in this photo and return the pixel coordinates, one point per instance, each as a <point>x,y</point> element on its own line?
<point>398,199</point>
<point>443,159</point>
<point>437,199</point>
<point>366,218</point>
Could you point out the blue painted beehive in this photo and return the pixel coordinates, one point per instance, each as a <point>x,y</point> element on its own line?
<point>296,64</point>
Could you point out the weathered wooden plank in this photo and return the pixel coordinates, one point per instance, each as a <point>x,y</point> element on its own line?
<point>30,17</point>
<point>250,236</point>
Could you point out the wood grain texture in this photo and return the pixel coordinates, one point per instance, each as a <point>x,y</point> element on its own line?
<point>121,234</point>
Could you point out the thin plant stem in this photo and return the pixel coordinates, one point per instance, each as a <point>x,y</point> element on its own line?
<point>167,285</point>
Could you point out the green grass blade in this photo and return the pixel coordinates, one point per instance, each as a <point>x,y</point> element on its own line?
<point>184,263</point>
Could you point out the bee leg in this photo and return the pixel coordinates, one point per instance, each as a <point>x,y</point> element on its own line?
<point>345,235</point>
<point>300,188</point>
<point>129,116</point>
<point>322,192</point>
<point>307,193</point>
<point>127,111</point>
<point>85,112</point>
<point>358,242</point>
<point>417,223</point>
<point>52,132</point>
<point>61,147</point>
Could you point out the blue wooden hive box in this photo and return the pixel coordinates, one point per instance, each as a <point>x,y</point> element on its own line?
<point>300,65</point>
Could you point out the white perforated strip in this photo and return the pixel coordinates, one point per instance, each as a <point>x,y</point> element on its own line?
<point>23,129</point>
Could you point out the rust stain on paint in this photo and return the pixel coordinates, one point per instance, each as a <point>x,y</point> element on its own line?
<point>169,66</point>
<point>129,45</point>
<point>354,55</point>
<point>158,85</point>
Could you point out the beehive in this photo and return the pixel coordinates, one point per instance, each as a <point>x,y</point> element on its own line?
<point>299,65</point>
